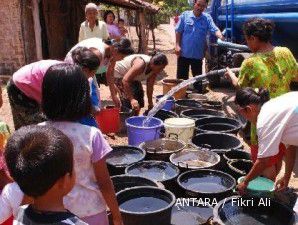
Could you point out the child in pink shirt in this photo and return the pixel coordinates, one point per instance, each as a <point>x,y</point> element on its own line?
<point>65,100</point>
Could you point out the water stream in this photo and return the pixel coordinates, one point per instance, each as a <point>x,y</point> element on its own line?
<point>162,101</point>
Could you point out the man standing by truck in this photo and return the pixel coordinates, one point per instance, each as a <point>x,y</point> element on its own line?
<point>191,33</point>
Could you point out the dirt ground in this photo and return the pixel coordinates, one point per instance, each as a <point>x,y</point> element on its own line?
<point>165,42</point>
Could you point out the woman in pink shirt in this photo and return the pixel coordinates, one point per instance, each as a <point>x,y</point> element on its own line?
<point>24,93</point>
<point>24,88</point>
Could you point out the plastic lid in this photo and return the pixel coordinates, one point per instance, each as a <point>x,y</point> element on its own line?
<point>179,122</point>
<point>259,184</point>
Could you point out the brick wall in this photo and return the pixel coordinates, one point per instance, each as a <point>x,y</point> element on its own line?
<point>12,54</point>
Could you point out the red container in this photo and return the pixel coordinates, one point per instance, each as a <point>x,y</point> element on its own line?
<point>8,222</point>
<point>108,120</point>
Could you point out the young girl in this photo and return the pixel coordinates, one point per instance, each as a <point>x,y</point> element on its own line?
<point>65,100</point>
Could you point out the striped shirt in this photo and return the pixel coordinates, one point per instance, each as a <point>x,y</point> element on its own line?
<point>27,215</point>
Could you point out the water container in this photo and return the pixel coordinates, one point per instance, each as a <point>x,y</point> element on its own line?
<point>184,104</point>
<point>170,102</point>
<point>260,187</point>
<point>121,182</point>
<point>180,128</point>
<point>200,113</point>
<point>168,84</point>
<point>165,114</point>
<point>123,156</point>
<point>108,120</point>
<point>137,133</point>
<point>207,183</point>
<point>146,206</point>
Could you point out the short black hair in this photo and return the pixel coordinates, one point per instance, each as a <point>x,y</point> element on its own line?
<point>121,20</point>
<point>107,13</point>
<point>37,157</point>
<point>124,46</point>
<point>159,58</point>
<point>248,95</point>
<point>85,58</point>
<point>259,27</point>
<point>65,93</point>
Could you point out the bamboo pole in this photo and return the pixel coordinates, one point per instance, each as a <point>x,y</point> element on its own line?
<point>37,29</point>
<point>144,39</point>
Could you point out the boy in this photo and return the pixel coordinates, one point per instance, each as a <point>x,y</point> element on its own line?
<point>40,160</point>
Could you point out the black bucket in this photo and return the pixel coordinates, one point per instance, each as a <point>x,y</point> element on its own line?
<point>124,114</point>
<point>240,167</point>
<point>193,159</point>
<point>218,124</point>
<point>123,156</point>
<point>236,154</point>
<point>165,114</point>
<point>211,184</point>
<point>192,212</point>
<point>200,113</point>
<point>216,141</point>
<point>160,171</point>
<point>230,212</point>
<point>184,104</point>
<point>161,149</point>
<point>122,182</point>
<point>146,206</point>
<point>217,105</point>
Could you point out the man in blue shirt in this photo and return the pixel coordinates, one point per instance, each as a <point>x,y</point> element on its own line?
<point>191,33</point>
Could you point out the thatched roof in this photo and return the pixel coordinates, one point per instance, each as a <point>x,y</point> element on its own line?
<point>132,4</point>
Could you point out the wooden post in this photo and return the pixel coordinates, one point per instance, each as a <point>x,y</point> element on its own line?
<point>143,40</point>
<point>37,28</point>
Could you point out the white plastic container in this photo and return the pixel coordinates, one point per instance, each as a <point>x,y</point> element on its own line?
<point>181,128</point>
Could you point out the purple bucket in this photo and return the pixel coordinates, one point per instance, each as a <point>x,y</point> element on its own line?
<point>138,134</point>
<point>170,102</point>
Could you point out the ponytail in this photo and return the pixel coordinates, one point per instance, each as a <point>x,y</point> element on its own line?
<point>159,58</point>
<point>247,96</point>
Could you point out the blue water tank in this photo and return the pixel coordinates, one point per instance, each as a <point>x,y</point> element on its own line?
<point>284,13</point>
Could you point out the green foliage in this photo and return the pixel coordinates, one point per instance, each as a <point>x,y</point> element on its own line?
<point>169,8</point>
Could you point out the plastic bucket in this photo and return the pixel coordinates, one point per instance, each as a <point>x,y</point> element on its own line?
<point>137,133</point>
<point>184,104</point>
<point>168,84</point>
<point>143,205</point>
<point>170,102</point>
<point>108,120</point>
<point>179,128</point>
<point>260,187</point>
<point>200,113</point>
<point>121,182</point>
<point>165,114</point>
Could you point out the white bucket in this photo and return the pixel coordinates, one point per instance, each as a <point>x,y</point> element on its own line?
<point>181,128</point>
